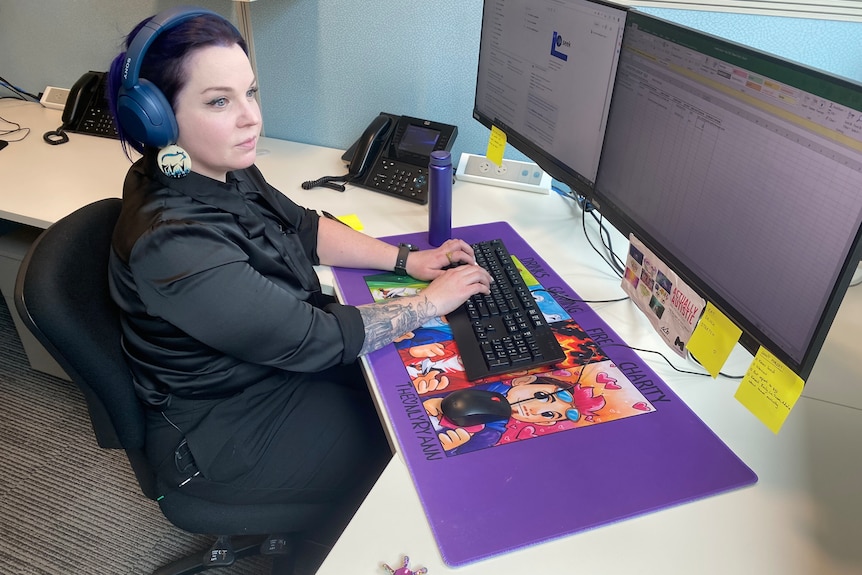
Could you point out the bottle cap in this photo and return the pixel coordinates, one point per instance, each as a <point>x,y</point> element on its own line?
<point>441,158</point>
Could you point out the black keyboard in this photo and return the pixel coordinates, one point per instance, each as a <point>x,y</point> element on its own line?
<point>504,331</point>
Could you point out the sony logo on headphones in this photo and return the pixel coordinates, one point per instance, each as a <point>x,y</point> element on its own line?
<point>126,68</point>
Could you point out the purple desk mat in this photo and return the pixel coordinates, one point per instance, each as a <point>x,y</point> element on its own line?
<point>493,500</point>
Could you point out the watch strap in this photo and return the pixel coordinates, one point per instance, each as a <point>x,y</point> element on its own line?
<point>401,262</point>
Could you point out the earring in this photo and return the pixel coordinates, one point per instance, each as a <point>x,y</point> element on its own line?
<point>174,161</point>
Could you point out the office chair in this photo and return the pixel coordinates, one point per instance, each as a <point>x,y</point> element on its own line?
<point>62,296</point>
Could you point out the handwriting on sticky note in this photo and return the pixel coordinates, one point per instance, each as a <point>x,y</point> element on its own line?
<point>769,390</point>
<point>496,145</point>
<point>713,339</point>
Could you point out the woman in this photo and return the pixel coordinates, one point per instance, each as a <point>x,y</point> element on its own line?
<point>249,373</point>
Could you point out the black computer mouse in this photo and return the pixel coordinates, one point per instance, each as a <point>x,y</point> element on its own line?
<point>471,406</point>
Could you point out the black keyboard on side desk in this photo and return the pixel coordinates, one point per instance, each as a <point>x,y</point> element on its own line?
<point>504,331</point>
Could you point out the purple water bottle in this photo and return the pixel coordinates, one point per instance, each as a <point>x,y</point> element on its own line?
<point>439,198</point>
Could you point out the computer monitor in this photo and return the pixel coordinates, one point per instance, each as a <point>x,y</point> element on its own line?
<point>546,69</point>
<point>743,172</point>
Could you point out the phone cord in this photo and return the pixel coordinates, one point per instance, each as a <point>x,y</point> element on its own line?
<point>57,136</point>
<point>327,182</point>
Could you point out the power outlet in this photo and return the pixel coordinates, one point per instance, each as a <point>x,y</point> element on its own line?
<point>54,97</point>
<point>525,176</point>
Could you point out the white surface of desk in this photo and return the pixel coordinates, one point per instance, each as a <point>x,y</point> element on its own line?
<point>804,516</point>
<point>42,183</point>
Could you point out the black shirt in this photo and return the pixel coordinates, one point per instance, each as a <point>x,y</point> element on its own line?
<point>217,286</point>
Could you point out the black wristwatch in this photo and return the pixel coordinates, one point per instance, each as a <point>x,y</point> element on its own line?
<point>401,263</point>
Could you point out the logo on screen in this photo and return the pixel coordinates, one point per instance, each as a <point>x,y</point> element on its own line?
<point>557,43</point>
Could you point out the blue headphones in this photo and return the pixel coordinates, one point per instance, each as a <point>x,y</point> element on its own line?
<point>142,110</point>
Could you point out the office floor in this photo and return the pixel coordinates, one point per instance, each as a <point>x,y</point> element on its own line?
<point>66,505</point>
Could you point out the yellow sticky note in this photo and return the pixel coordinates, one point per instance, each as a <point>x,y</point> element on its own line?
<point>525,273</point>
<point>713,339</point>
<point>769,390</point>
<point>352,220</point>
<point>496,145</point>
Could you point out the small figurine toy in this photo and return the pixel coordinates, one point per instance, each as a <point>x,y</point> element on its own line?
<point>404,570</point>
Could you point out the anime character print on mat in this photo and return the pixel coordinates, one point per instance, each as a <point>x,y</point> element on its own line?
<point>431,358</point>
<point>543,404</point>
<point>585,389</point>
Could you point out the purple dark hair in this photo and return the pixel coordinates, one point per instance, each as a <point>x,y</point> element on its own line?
<point>164,61</point>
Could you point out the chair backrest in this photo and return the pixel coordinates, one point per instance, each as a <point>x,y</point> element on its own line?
<point>62,296</point>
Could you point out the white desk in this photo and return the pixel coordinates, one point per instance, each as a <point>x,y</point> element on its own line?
<point>804,516</point>
<point>42,183</point>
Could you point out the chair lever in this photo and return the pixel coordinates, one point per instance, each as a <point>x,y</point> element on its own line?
<point>221,554</point>
<point>276,544</point>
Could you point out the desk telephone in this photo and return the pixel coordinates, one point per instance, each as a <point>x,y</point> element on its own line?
<point>86,110</point>
<point>392,154</point>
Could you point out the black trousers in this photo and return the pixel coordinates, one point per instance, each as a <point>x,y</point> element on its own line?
<point>298,438</point>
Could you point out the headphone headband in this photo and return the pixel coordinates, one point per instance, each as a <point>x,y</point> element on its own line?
<point>161,22</point>
<point>143,112</point>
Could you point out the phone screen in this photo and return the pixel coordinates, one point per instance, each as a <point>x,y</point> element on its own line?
<point>418,140</point>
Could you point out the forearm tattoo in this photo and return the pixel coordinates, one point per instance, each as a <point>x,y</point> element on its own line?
<point>388,319</point>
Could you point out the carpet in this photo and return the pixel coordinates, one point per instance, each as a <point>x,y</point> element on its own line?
<point>68,506</point>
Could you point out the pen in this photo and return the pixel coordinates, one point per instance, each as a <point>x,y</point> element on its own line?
<point>331,217</point>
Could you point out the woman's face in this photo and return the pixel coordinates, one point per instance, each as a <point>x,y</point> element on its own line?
<point>217,114</point>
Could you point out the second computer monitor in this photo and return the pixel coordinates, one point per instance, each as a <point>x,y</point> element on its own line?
<point>743,171</point>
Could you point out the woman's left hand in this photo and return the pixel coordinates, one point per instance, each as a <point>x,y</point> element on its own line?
<point>426,265</point>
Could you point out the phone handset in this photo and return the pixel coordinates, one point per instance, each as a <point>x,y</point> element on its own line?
<point>366,150</point>
<point>80,97</point>
<point>369,145</point>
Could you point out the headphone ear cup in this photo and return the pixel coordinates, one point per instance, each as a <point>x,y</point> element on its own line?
<point>146,116</point>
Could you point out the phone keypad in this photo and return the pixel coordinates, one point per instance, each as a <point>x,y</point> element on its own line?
<point>98,122</point>
<point>401,180</point>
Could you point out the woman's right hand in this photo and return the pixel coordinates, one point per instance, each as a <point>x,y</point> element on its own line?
<point>454,286</point>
